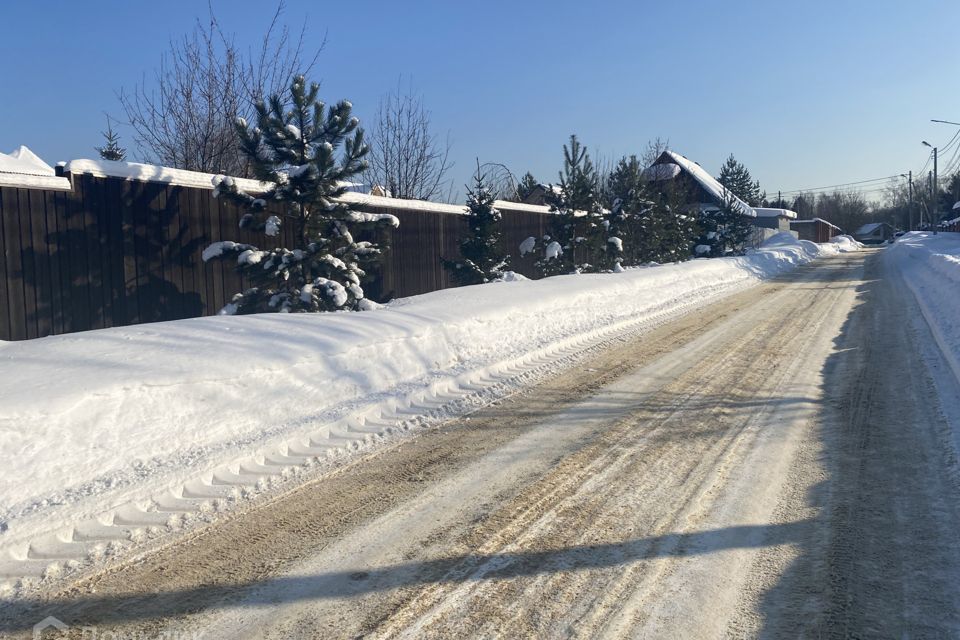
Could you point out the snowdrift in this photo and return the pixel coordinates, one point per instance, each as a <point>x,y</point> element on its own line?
<point>137,428</point>
<point>930,265</point>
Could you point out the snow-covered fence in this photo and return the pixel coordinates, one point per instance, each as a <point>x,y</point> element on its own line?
<point>123,247</point>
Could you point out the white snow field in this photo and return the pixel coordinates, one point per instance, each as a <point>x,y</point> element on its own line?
<point>119,436</point>
<point>930,266</point>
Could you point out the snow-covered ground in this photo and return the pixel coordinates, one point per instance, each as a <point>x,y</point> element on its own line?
<point>930,265</point>
<point>120,434</point>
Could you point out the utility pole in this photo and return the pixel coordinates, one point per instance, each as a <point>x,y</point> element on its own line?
<point>932,177</point>
<point>910,202</point>
<point>936,199</point>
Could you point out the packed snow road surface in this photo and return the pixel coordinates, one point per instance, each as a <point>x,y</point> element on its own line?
<point>778,463</point>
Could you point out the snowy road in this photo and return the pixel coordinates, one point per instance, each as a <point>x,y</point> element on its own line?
<point>777,463</point>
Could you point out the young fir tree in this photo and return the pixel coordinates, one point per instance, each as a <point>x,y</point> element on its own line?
<point>651,221</point>
<point>526,186</point>
<point>293,150</point>
<point>674,229</point>
<point>624,221</point>
<point>576,216</point>
<point>724,230</point>
<point>112,150</point>
<point>735,177</point>
<point>481,255</point>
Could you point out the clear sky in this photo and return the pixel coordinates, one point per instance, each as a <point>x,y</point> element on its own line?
<point>806,93</point>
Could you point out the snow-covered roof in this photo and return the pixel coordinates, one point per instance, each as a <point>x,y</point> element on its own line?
<point>23,169</point>
<point>710,184</point>
<point>868,228</point>
<point>767,212</point>
<point>665,171</point>
<point>200,180</point>
<point>812,220</point>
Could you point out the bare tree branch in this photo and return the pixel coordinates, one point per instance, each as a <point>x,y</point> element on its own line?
<point>499,179</point>
<point>405,157</point>
<point>184,116</point>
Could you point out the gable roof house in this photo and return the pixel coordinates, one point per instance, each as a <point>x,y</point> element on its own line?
<point>702,190</point>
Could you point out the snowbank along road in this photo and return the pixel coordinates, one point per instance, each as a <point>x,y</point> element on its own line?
<point>775,464</point>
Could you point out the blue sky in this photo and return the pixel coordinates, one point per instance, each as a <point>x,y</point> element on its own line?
<point>804,93</point>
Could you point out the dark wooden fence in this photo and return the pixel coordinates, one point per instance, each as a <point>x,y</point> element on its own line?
<point>115,252</point>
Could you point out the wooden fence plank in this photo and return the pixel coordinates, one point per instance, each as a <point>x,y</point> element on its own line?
<point>6,331</point>
<point>43,289</point>
<point>80,313</point>
<point>128,228</point>
<point>92,251</point>
<point>28,269</point>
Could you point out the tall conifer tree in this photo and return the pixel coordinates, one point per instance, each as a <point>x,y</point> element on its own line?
<point>293,151</point>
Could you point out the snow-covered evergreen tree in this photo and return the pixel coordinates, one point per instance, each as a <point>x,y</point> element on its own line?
<point>735,177</point>
<point>674,229</point>
<point>481,253</point>
<point>577,217</point>
<point>626,233</point>
<point>526,186</point>
<point>112,150</point>
<point>293,151</point>
<point>724,230</point>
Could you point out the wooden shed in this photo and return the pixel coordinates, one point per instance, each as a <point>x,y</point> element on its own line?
<point>815,230</point>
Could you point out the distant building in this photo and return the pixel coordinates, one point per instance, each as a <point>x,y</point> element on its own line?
<point>874,233</point>
<point>538,195</point>
<point>815,230</point>
<point>778,219</point>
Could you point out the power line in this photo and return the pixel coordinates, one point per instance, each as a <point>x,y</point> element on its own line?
<point>842,184</point>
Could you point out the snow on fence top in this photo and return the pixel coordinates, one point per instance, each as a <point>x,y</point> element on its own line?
<point>154,173</point>
<point>200,180</point>
<point>710,184</point>
<point>23,169</point>
<point>767,212</point>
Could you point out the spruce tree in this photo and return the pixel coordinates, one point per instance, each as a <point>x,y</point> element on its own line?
<point>724,230</point>
<point>526,186</point>
<point>481,254</point>
<point>674,229</point>
<point>293,151</point>
<point>112,150</point>
<point>625,219</point>
<point>575,223</point>
<point>735,177</point>
<point>652,223</point>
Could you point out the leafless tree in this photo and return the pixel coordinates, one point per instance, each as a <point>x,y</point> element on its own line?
<point>185,116</point>
<point>406,158</point>
<point>654,148</point>
<point>502,183</point>
<point>847,210</point>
